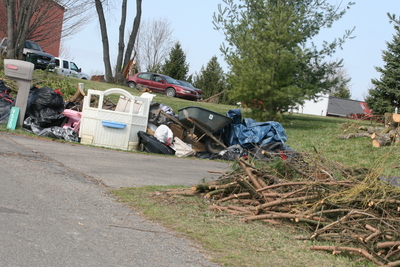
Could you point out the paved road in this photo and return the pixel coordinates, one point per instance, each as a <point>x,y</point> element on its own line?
<point>55,209</point>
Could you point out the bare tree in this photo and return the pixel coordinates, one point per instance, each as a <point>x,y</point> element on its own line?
<point>153,44</point>
<point>121,57</point>
<point>17,26</point>
<point>341,88</point>
<point>38,20</point>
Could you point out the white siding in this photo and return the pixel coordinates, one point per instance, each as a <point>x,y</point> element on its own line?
<point>314,108</point>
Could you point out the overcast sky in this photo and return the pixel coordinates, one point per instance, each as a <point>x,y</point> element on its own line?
<point>191,22</point>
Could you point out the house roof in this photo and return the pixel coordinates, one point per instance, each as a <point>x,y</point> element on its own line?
<point>343,107</point>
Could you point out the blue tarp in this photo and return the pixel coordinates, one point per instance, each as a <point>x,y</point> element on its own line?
<point>248,133</point>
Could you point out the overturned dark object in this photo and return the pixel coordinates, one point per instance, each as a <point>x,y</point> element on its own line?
<point>152,145</point>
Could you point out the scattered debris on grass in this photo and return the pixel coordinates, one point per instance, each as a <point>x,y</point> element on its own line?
<point>354,208</point>
<point>381,136</point>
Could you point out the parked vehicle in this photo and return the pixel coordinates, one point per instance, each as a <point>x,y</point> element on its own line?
<point>43,61</point>
<point>68,68</point>
<point>188,84</point>
<point>160,83</point>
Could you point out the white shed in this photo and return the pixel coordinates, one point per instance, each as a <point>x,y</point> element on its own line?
<point>318,107</point>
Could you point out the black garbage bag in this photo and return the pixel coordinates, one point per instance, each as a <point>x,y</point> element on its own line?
<point>232,153</point>
<point>152,145</point>
<point>207,155</point>
<point>67,134</point>
<point>6,102</point>
<point>30,125</point>
<point>4,89</point>
<point>45,106</point>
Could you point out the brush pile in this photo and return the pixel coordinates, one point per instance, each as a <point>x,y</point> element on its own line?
<point>352,208</point>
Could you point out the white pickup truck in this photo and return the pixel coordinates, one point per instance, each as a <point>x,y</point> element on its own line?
<point>69,68</point>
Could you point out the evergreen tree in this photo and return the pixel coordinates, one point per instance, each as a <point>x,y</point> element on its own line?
<point>175,66</point>
<point>211,79</point>
<point>385,94</point>
<point>271,69</point>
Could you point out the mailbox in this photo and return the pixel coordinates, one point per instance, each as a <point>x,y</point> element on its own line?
<point>21,72</point>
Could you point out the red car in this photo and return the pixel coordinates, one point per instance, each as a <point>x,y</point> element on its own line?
<point>159,83</point>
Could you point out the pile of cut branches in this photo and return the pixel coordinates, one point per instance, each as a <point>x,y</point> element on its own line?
<point>352,207</point>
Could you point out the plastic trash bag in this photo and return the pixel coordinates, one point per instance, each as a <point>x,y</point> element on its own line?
<point>232,153</point>
<point>164,134</point>
<point>60,133</point>
<point>57,132</point>
<point>6,103</point>
<point>45,105</point>
<point>30,125</point>
<point>4,89</point>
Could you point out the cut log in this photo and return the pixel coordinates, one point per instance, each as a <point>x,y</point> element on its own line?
<point>371,130</point>
<point>215,192</point>
<point>394,135</point>
<point>200,187</point>
<point>382,140</point>
<point>392,120</point>
<point>388,244</point>
<point>222,186</point>
<point>353,135</point>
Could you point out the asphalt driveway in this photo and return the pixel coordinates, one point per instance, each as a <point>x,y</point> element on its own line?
<point>55,209</point>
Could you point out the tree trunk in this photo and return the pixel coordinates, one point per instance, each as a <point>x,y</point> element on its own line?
<point>18,25</point>
<point>135,29</point>
<point>11,11</point>
<point>25,13</point>
<point>104,38</point>
<point>121,42</point>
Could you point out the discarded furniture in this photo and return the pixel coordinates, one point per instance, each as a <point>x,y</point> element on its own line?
<point>116,128</point>
<point>73,119</point>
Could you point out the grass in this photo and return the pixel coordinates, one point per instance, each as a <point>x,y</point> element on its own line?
<point>229,241</point>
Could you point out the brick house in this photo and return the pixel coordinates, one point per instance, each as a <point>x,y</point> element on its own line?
<point>47,33</point>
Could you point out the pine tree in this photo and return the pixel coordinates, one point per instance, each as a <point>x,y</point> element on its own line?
<point>211,80</point>
<point>271,69</point>
<point>175,66</point>
<point>385,95</point>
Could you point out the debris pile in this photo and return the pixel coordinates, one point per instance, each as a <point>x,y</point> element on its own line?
<point>350,207</point>
<point>381,136</point>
